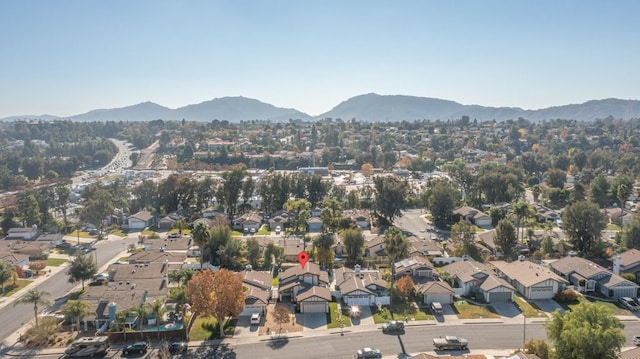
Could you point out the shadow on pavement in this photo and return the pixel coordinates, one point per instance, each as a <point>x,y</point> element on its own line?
<point>278,342</point>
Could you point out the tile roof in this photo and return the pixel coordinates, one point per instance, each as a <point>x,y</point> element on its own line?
<point>527,273</point>
<point>314,291</point>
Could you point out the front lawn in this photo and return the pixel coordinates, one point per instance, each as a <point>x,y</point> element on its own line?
<point>612,306</point>
<point>335,318</point>
<point>403,311</point>
<point>528,310</point>
<point>465,310</point>
<point>206,328</point>
<point>118,232</point>
<point>80,234</point>
<point>10,287</point>
<point>54,262</point>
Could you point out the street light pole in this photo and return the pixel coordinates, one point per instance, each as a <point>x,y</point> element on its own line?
<point>524,331</point>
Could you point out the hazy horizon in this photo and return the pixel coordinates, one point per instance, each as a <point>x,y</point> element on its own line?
<point>65,58</point>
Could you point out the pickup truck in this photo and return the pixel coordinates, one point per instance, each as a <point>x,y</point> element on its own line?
<point>450,342</point>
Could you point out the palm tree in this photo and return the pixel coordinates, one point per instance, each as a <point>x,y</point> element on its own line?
<point>35,297</point>
<point>158,309</point>
<point>77,309</point>
<point>521,210</point>
<point>200,237</point>
<point>396,246</point>
<point>180,225</point>
<point>141,313</point>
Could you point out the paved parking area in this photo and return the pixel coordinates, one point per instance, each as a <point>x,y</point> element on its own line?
<point>366,318</point>
<point>548,305</point>
<point>506,309</point>
<point>312,321</point>
<point>244,329</point>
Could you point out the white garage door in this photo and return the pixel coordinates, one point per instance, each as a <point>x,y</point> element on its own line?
<point>250,309</point>
<point>541,293</point>
<point>357,300</point>
<point>314,307</point>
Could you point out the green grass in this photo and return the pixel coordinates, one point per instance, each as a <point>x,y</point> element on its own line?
<point>54,262</point>
<point>332,317</point>
<point>465,310</point>
<point>206,328</point>
<point>400,312</point>
<point>123,259</point>
<point>81,235</point>
<point>527,309</point>
<point>10,288</point>
<point>148,232</point>
<point>118,233</point>
<point>612,306</point>
<point>275,281</point>
<point>264,230</point>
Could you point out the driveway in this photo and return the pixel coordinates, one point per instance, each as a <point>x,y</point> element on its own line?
<point>366,317</point>
<point>506,309</point>
<point>548,305</point>
<point>311,321</point>
<point>244,329</point>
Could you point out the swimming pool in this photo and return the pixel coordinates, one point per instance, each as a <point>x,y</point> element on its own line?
<point>164,327</point>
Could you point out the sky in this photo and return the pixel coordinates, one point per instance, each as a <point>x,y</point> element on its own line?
<point>69,57</point>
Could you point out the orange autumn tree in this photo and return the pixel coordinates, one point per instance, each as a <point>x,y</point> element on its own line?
<point>405,286</point>
<point>217,294</point>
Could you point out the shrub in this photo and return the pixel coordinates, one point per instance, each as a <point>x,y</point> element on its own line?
<point>566,296</point>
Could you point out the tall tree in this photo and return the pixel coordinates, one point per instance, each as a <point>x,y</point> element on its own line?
<point>591,323</point>
<point>253,252</point>
<point>82,268</point>
<point>76,309</point>
<point>158,309</point>
<point>599,189</point>
<point>396,247</point>
<point>6,273</point>
<point>353,240</point>
<point>462,237</point>
<point>505,239</point>
<point>441,200</point>
<point>391,195</point>
<point>231,188</point>
<point>35,297</point>
<point>583,223</point>
<point>201,236</point>
<point>218,294</point>
<point>522,211</point>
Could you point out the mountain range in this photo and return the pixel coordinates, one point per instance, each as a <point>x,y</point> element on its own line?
<point>369,107</point>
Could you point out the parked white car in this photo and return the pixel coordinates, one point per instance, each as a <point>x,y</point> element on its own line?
<point>255,318</point>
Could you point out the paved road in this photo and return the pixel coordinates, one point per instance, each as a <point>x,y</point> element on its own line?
<point>14,317</point>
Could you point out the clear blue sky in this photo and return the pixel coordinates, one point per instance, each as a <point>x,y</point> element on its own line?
<point>67,57</point>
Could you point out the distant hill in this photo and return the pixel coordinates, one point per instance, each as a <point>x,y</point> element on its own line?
<point>373,107</point>
<point>370,107</point>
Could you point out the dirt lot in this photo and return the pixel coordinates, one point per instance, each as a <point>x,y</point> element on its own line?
<point>270,327</point>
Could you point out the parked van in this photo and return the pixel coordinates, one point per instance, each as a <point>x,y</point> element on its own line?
<point>436,308</point>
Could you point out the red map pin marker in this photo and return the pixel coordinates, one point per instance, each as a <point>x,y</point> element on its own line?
<point>303,257</point>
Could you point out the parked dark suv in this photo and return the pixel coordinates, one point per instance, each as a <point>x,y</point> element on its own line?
<point>137,347</point>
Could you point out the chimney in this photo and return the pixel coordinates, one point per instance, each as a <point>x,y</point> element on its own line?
<point>617,263</point>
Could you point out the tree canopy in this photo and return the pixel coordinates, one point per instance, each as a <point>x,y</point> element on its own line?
<point>588,331</point>
<point>218,294</point>
<point>583,224</point>
<point>82,268</point>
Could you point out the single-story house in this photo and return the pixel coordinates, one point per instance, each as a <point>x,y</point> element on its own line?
<point>25,234</point>
<point>314,224</point>
<point>141,220</point>
<point>375,248</point>
<point>475,279</point>
<point>531,280</point>
<point>14,259</point>
<point>414,267</point>
<point>629,263</point>
<point>53,239</point>
<point>587,277</point>
<point>474,216</point>
<point>436,291</point>
<point>247,222</point>
<point>358,287</point>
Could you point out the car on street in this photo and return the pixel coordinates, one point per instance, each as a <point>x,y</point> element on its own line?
<point>636,340</point>
<point>368,353</point>
<point>393,326</point>
<point>137,347</point>
<point>450,342</point>
<point>178,347</point>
